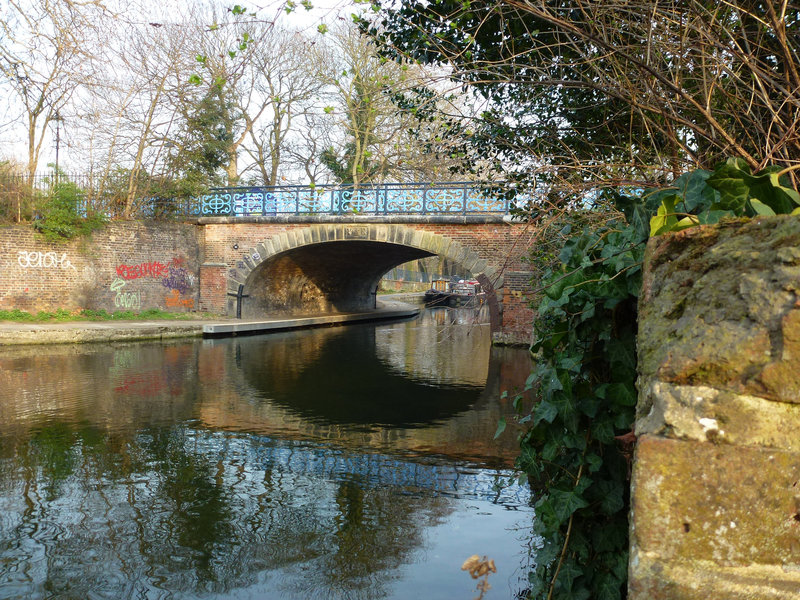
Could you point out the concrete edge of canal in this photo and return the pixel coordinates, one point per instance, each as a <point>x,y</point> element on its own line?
<point>77,332</point>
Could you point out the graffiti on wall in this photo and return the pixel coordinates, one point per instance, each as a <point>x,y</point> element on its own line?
<point>43,260</point>
<point>146,269</point>
<point>125,299</point>
<point>179,279</point>
<point>174,276</point>
<point>174,299</point>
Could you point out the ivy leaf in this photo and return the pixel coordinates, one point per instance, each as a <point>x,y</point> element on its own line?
<point>713,216</point>
<point>544,411</point>
<point>611,496</point>
<point>665,219</point>
<point>697,194</point>
<point>766,189</point>
<point>623,393</point>
<point>603,430</point>
<point>501,427</point>
<point>568,573</point>
<point>608,587</point>
<point>565,503</point>
<point>729,180</point>
<point>760,208</point>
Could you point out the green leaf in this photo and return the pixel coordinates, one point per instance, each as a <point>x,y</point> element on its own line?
<point>611,496</point>
<point>565,503</point>
<point>761,209</point>
<point>603,430</point>
<point>608,588</point>
<point>713,216</point>
<point>767,189</point>
<point>665,218</point>
<point>622,393</point>
<point>568,573</point>
<point>729,180</point>
<point>322,28</point>
<point>501,427</point>
<point>594,462</point>
<point>697,194</point>
<point>544,411</point>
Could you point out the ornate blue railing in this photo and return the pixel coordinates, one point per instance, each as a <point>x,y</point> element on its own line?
<point>452,198</point>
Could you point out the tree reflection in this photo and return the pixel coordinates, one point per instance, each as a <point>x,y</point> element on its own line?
<point>193,511</point>
<point>111,487</point>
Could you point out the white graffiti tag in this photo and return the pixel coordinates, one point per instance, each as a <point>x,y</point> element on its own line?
<point>43,260</point>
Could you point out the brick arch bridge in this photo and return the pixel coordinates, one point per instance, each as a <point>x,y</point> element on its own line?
<point>302,265</point>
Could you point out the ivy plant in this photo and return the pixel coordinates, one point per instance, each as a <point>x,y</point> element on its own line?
<point>704,197</point>
<point>576,453</point>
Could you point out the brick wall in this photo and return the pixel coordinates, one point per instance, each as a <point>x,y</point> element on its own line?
<point>128,265</point>
<point>135,265</point>
<point>503,246</point>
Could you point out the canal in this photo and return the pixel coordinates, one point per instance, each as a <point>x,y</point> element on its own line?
<point>339,463</point>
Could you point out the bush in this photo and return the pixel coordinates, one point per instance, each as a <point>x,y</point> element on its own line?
<point>62,215</point>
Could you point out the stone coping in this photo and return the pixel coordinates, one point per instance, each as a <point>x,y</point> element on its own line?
<point>77,332</point>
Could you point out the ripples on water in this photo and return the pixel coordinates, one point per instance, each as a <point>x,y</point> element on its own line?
<point>340,463</point>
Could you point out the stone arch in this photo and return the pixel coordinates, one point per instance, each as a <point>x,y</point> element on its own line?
<point>278,251</point>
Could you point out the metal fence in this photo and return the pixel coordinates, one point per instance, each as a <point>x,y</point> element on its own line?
<point>107,196</point>
<point>380,199</point>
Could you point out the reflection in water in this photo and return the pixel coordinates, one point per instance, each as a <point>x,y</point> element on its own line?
<point>251,468</point>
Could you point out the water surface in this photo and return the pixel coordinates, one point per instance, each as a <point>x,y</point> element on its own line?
<point>352,462</point>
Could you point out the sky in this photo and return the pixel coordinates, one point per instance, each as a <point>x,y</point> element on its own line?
<point>13,143</point>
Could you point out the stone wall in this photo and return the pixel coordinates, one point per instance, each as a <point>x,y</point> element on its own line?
<point>124,266</point>
<point>716,478</point>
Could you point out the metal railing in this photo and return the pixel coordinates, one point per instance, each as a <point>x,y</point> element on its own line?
<point>453,198</point>
<point>106,196</point>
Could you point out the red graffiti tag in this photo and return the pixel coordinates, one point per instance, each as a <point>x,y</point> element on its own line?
<point>147,269</point>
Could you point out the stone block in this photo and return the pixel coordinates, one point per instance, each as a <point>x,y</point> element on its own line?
<point>706,516</point>
<point>707,414</point>
<point>726,299</point>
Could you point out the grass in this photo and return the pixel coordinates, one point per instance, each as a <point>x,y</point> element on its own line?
<point>60,316</point>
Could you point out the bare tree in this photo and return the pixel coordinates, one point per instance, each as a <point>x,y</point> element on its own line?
<point>387,129</point>
<point>285,86</point>
<point>42,54</point>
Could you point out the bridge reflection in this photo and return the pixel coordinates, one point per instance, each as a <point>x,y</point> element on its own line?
<point>150,470</point>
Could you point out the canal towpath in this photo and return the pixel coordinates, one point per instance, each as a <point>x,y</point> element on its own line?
<point>75,332</point>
